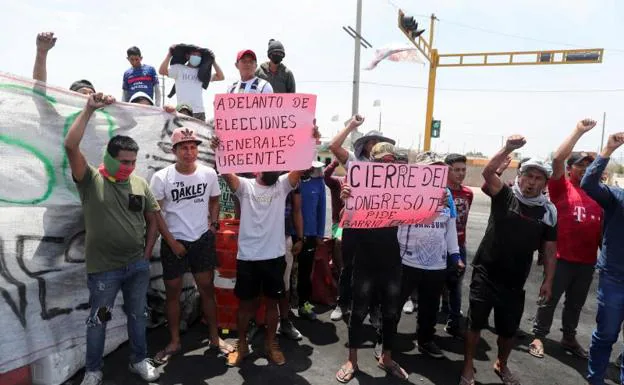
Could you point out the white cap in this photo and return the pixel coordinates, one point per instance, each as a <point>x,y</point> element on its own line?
<point>141,94</point>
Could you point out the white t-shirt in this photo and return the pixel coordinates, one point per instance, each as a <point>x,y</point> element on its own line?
<point>262,227</point>
<point>251,86</point>
<point>352,158</point>
<point>188,86</point>
<point>426,246</point>
<point>186,199</point>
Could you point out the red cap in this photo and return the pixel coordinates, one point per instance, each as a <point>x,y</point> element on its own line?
<point>245,52</point>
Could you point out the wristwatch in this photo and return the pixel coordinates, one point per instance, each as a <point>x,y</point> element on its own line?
<point>215,224</point>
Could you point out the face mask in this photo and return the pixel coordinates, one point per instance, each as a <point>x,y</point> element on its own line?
<point>194,60</point>
<point>270,178</point>
<point>114,170</point>
<point>276,58</point>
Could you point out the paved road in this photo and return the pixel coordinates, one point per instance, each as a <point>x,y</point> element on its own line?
<point>316,359</point>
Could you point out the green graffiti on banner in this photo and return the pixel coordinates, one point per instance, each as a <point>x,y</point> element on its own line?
<point>49,168</point>
<point>29,89</point>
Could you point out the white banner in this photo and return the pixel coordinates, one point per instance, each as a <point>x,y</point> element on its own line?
<point>44,301</point>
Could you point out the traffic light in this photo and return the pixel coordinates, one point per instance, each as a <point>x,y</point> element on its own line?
<point>435,128</point>
<point>411,26</point>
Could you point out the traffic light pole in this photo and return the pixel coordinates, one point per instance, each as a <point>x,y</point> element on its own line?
<point>483,59</point>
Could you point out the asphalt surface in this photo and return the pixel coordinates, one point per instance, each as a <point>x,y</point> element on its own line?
<point>316,358</point>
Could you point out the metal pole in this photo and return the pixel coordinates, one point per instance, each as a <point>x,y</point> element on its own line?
<point>604,120</point>
<point>430,97</point>
<point>379,118</point>
<point>355,101</point>
<point>162,84</point>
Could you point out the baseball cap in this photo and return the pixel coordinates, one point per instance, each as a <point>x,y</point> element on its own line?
<point>382,149</point>
<point>454,158</point>
<point>184,134</point>
<point>544,167</point>
<point>430,158</point>
<point>139,95</point>
<point>245,52</point>
<point>184,106</point>
<point>578,157</point>
<point>317,164</point>
<point>83,83</point>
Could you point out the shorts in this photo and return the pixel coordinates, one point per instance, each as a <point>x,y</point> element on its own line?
<point>260,277</point>
<point>508,305</point>
<point>289,262</point>
<point>201,256</point>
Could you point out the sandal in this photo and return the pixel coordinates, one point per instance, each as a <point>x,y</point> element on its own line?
<point>507,376</point>
<point>394,370</point>
<point>536,350</point>
<point>345,374</point>
<point>464,381</point>
<point>163,356</point>
<point>575,349</point>
<point>224,347</point>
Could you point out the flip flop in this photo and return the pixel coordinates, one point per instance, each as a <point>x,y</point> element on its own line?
<point>394,370</point>
<point>224,347</point>
<point>345,374</point>
<point>464,381</point>
<point>507,376</point>
<point>577,350</point>
<point>163,356</point>
<point>536,351</point>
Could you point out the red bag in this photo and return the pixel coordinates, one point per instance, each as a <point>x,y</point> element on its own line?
<point>324,286</point>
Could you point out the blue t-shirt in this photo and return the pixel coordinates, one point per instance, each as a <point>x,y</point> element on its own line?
<point>142,79</point>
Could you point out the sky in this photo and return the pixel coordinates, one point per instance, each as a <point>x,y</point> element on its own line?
<point>478,106</point>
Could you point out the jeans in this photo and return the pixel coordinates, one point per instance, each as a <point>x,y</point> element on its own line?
<point>454,287</point>
<point>346,273</point>
<point>304,274</point>
<point>608,325</point>
<point>133,281</point>
<point>429,285</point>
<point>573,279</point>
<point>376,272</point>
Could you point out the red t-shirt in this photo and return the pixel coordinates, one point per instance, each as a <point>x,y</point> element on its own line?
<point>579,220</point>
<point>463,201</point>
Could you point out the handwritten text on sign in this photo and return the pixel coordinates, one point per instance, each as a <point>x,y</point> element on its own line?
<point>264,132</point>
<point>384,195</point>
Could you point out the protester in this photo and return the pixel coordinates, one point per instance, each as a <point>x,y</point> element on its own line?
<point>189,67</point>
<point>610,263</point>
<point>521,220</point>
<point>275,72</point>
<point>334,185</point>
<point>249,83</point>
<point>260,261</point>
<point>462,198</point>
<point>140,78</point>
<point>45,42</point>
<point>188,234</point>
<point>118,209</point>
<point>424,253</point>
<point>141,97</point>
<point>362,149</point>
<point>313,209</point>
<point>579,220</point>
<point>376,271</point>
<point>294,244</point>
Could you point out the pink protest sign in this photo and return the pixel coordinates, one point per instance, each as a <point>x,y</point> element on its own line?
<point>386,194</point>
<point>264,132</point>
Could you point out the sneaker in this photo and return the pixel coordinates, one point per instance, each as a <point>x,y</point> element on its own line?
<point>288,330</point>
<point>431,349</point>
<point>274,354</point>
<point>252,330</point>
<point>145,369</point>
<point>408,307</point>
<point>236,357</point>
<point>336,315</point>
<point>92,378</point>
<point>307,311</point>
<point>454,331</point>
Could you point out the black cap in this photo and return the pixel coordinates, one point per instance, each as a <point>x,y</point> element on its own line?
<point>578,157</point>
<point>454,158</point>
<point>78,84</point>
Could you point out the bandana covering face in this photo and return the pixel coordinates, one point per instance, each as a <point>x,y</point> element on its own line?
<point>550,216</point>
<point>114,170</point>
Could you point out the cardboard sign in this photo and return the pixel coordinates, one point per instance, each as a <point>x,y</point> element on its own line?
<point>385,195</point>
<point>264,132</point>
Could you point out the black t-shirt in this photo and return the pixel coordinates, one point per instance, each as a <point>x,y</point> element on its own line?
<point>514,232</point>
